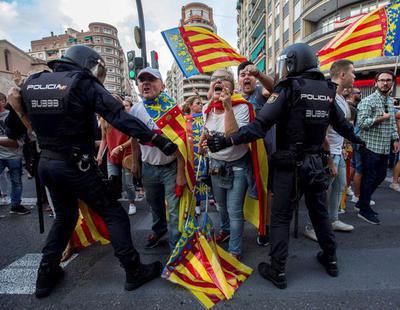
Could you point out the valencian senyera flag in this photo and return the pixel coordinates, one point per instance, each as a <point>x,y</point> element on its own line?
<point>203,267</point>
<point>373,35</point>
<point>198,50</point>
<point>90,228</point>
<point>169,119</point>
<point>194,125</point>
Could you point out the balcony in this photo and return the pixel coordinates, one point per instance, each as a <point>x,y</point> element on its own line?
<point>259,26</point>
<point>257,47</point>
<point>256,10</point>
<point>315,10</point>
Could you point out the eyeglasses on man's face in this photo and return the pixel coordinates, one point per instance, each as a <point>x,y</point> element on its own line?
<point>220,77</point>
<point>388,81</point>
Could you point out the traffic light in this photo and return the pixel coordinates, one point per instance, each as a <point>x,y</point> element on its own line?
<point>139,64</point>
<point>131,64</point>
<point>154,59</point>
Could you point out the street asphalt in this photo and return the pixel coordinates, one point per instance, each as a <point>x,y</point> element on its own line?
<point>368,259</point>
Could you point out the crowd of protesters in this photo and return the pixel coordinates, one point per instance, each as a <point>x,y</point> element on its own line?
<point>354,170</point>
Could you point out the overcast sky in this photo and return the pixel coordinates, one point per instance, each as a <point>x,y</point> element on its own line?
<point>22,21</point>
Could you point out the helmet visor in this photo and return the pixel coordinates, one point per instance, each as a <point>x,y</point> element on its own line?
<point>281,69</point>
<point>99,70</point>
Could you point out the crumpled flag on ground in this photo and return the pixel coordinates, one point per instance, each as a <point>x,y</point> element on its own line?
<point>200,265</point>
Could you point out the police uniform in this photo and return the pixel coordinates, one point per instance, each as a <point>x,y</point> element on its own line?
<point>61,107</point>
<point>302,116</point>
<point>302,107</point>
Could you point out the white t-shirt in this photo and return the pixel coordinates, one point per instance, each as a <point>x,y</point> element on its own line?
<point>335,140</point>
<point>150,154</point>
<point>215,126</point>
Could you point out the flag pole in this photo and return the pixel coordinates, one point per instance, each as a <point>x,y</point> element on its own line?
<point>395,72</point>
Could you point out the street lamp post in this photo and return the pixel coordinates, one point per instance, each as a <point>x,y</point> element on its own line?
<point>142,30</point>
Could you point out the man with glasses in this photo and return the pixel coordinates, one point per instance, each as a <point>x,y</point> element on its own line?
<point>377,124</point>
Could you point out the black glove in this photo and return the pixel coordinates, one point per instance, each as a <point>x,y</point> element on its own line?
<point>359,141</point>
<point>217,143</point>
<point>165,145</point>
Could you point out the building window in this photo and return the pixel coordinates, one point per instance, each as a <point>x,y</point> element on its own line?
<point>97,39</point>
<point>108,50</point>
<point>297,10</point>
<point>7,59</point>
<point>277,44</point>
<point>297,25</point>
<point>328,24</point>
<point>286,23</point>
<point>286,9</point>
<point>277,32</point>
<point>108,41</point>
<point>110,60</point>
<point>107,30</point>
<point>96,29</point>
<point>286,36</point>
<point>277,20</point>
<point>97,49</point>
<point>110,78</point>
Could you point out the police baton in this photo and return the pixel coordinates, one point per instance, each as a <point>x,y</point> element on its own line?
<point>39,196</point>
<point>299,163</point>
<point>296,202</point>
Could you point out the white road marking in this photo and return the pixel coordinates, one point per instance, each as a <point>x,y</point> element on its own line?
<point>20,276</point>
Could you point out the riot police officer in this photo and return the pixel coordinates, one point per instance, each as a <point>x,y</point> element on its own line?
<point>61,107</point>
<point>302,106</point>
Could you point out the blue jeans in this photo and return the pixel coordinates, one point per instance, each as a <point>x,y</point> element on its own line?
<point>127,180</point>
<point>15,169</point>
<point>336,187</point>
<point>159,185</point>
<point>230,195</point>
<point>374,168</point>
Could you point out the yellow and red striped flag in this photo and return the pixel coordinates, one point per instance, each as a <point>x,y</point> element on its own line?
<point>198,50</point>
<point>90,228</point>
<point>200,265</point>
<point>362,39</point>
<point>373,35</point>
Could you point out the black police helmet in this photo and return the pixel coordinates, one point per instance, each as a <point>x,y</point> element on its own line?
<point>81,55</point>
<point>296,59</point>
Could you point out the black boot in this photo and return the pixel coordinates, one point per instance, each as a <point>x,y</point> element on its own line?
<point>329,264</point>
<point>274,272</point>
<point>138,274</point>
<point>48,277</point>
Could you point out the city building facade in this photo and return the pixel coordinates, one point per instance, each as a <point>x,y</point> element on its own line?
<point>179,87</point>
<point>101,37</point>
<point>14,59</point>
<point>266,27</point>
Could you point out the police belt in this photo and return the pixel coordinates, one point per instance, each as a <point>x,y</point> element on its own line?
<point>55,155</point>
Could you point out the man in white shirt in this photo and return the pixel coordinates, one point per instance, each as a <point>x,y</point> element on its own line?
<point>158,171</point>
